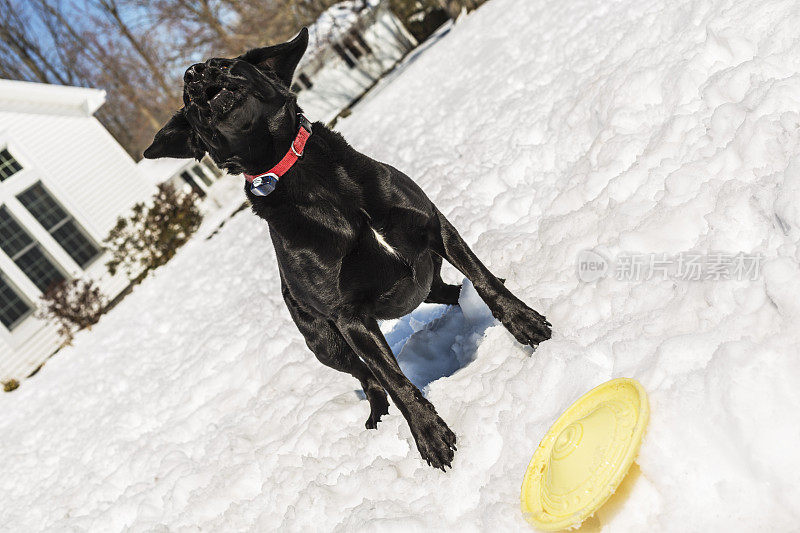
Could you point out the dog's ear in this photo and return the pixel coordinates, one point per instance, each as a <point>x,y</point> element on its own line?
<point>281,58</point>
<point>175,139</point>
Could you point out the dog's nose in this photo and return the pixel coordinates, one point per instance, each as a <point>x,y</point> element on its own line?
<point>194,73</point>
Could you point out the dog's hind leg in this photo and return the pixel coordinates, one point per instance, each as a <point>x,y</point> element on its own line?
<point>332,350</point>
<point>525,324</point>
<point>441,292</point>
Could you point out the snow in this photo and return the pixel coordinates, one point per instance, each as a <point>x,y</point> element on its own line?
<point>542,129</point>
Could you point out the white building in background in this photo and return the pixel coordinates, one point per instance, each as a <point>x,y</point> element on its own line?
<point>64,180</point>
<point>351,45</point>
<point>186,175</point>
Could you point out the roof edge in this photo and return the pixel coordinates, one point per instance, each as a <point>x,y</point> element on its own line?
<point>82,99</point>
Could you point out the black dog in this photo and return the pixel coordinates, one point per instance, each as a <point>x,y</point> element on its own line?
<point>356,239</point>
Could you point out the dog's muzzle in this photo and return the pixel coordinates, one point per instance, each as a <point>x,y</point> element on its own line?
<point>205,86</point>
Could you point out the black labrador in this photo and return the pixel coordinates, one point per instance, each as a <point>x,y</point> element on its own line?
<point>356,239</point>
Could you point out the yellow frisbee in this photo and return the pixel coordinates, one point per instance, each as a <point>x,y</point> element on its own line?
<point>585,455</point>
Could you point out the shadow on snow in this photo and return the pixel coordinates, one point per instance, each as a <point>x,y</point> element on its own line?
<point>434,341</point>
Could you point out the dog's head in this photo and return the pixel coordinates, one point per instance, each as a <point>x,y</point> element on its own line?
<point>235,109</point>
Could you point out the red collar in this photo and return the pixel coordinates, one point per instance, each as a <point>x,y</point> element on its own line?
<point>264,183</point>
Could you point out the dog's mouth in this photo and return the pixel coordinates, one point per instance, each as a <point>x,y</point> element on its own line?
<point>211,91</point>
<point>216,97</point>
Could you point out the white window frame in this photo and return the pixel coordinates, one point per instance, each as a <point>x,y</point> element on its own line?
<point>33,244</point>
<point>5,278</point>
<point>68,218</point>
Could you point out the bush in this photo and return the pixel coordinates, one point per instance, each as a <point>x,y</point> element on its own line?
<point>10,385</point>
<point>152,235</point>
<point>72,305</point>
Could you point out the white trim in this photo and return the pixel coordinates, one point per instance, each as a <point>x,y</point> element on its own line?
<point>37,231</point>
<point>69,215</point>
<point>26,96</point>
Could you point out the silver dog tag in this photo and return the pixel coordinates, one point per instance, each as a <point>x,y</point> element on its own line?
<point>263,185</point>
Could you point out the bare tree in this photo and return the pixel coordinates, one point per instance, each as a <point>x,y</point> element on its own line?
<point>44,40</point>
<point>112,11</point>
<point>22,53</point>
<point>137,50</point>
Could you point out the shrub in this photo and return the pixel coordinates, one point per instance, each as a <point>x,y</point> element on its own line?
<point>72,305</point>
<point>10,385</point>
<point>151,236</point>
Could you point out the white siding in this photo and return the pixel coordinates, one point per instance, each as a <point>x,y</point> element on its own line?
<point>169,170</point>
<point>91,176</point>
<point>80,162</point>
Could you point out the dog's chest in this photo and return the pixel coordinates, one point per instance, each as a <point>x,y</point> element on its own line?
<point>377,268</point>
<point>347,244</point>
<point>383,243</point>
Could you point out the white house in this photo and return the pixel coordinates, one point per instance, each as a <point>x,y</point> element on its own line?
<point>351,45</point>
<point>64,180</point>
<point>186,175</point>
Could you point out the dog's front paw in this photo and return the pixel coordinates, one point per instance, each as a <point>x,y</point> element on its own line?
<point>435,441</point>
<point>526,325</point>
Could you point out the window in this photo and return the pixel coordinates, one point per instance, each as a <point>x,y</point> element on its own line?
<point>305,81</point>
<point>27,253</point>
<point>8,165</point>
<point>344,55</point>
<point>209,164</point>
<point>13,308</point>
<point>68,233</point>
<point>360,39</point>
<point>202,175</point>
<point>193,184</point>
<point>353,49</point>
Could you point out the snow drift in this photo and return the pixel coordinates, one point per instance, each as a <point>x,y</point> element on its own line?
<point>542,129</point>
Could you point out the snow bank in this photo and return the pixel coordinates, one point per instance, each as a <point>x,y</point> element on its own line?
<point>542,129</point>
